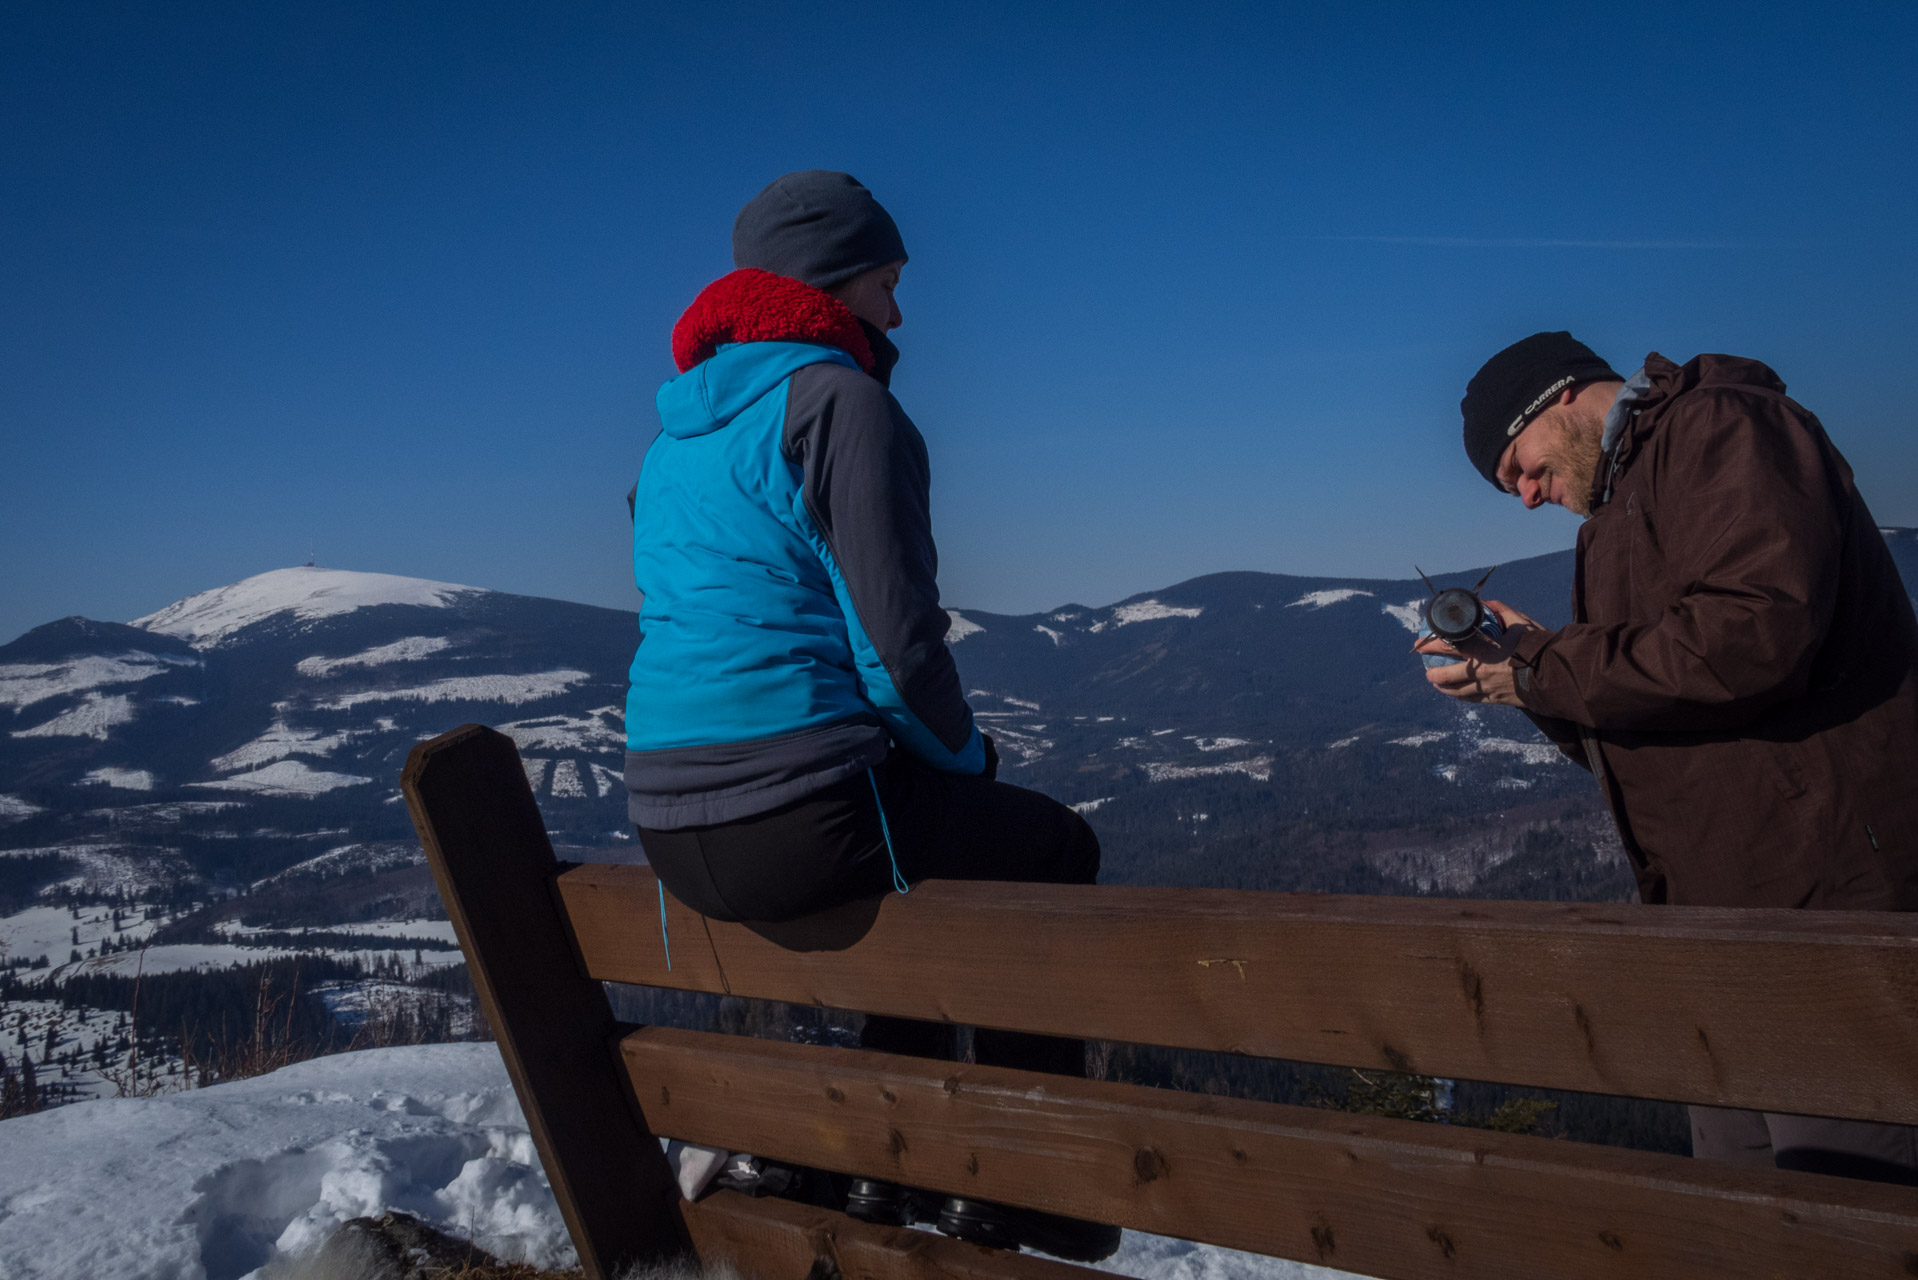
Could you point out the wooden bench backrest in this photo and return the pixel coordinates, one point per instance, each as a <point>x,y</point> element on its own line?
<point>1777,1010</point>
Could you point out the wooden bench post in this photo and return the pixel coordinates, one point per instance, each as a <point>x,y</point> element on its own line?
<point>483,835</point>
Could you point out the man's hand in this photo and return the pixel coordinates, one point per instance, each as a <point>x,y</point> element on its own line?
<point>1488,672</point>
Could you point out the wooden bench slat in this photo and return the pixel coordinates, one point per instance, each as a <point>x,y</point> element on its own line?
<point>483,836</point>
<point>780,1239</point>
<point>1381,1197</point>
<point>1795,1011</point>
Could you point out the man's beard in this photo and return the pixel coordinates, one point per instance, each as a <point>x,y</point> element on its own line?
<point>1575,457</point>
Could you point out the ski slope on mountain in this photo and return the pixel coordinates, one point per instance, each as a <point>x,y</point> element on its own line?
<point>304,592</point>
<point>236,1180</point>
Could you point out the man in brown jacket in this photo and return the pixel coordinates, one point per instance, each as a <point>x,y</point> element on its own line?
<point>1741,674</point>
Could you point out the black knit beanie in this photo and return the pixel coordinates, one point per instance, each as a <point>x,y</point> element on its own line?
<point>1517,385</point>
<point>818,226</point>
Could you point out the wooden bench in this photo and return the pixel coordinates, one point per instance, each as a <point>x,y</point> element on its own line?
<point>1796,1011</point>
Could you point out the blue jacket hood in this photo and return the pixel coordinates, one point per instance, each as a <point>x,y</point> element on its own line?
<point>715,391</point>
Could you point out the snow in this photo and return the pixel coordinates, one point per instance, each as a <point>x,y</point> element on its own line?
<point>408,649</point>
<point>1056,638</point>
<point>48,932</point>
<point>962,627</point>
<point>112,868</point>
<point>608,781</point>
<point>1259,769</point>
<point>279,741</point>
<point>287,778</point>
<point>23,684</point>
<point>409,930</point>
<point>1528,752</point>
<point>1220,744</point>
<point>13,808</point>
<point>1163,1258</point>
<point>535,770</point>
<point>1089,806</point>
<point>501,688</point>
<point>1145,611</point>
<point>589,732</point>
<point>1341,743</point>
<point>177,957</point>
<point>92,718</point>
<point>306,593</point>
<point>215,1183</point>
<point>165,814</point>
<point>351,857</point>
<point>1410,615</point>
<point>1320,599</point>
<point>566,783</point>
<point>1418,739</point>
<point>1027,746</point>
<point>119,779</point>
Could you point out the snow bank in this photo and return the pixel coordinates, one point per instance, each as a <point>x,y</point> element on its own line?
<point>1321,599</point>
<point>306,593</point>
<point>287,778</point>
<point>590,732</point>
<point>94,717</point>
<point>119,779</point>
<point>1528,752</point>
<point>406,649</point>
<point>52,933</point>
<point>962,627</point>
<point>376,857</point>
<point>1425,739</point>
<point>112,868</point>
<point>502,688</point>
<point>13,807</point>
<point>23,684</point>
<point>1259,769</point>
<point>1410,615</point>
<point>1145,611</point>
<point>216,1183</point>
<point>280,741</point>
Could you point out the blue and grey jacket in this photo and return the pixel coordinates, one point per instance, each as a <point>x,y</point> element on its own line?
<point>782,538</point>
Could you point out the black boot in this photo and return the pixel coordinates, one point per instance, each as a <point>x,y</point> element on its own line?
<point>1004,1227</point>
<point>887,1204</point>
<point>756,1176</point>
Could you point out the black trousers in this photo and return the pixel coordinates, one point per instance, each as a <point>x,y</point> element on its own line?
<point>830,848</point>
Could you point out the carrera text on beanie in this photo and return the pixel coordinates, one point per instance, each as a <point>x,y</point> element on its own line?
<point>818,226</point>
<point>1517,385</point>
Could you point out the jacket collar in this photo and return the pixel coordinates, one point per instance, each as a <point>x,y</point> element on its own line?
<point>1663,382</point>
<point>757,306</point>
<point>884,354</point>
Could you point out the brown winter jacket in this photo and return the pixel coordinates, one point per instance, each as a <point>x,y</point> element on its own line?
<point>1742,670</point>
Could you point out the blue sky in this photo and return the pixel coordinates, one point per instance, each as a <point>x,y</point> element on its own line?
<point>1193,287</point>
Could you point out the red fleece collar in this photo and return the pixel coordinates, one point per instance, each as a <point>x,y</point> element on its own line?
<point>751,305</point>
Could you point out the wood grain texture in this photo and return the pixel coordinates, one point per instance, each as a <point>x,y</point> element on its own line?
<point>483,836</point>
<point>1796,1011</point>
<point>780,1240</point>
<point>1387,1198</point>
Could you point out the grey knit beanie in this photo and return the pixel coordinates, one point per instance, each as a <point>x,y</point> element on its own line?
<point>818,226</point>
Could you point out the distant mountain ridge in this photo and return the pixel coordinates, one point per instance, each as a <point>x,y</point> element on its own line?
<point>1240,727</point>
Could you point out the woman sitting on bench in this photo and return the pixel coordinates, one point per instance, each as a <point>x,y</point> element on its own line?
<point>796,733</point>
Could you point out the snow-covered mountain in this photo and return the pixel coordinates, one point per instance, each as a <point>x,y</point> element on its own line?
<point>256,731</point>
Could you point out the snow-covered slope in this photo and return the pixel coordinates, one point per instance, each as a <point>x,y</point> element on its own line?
<point>220,1183</point>
<point>215,1183</point>
<point>306,593</point>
